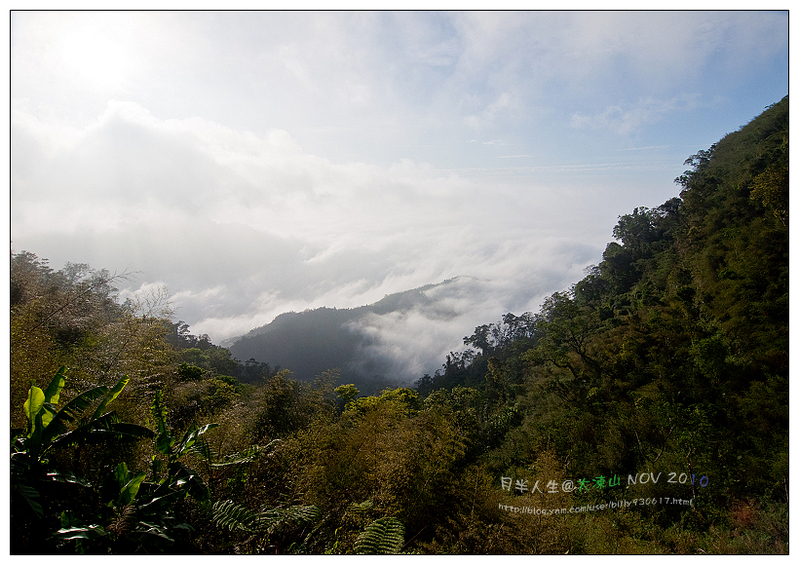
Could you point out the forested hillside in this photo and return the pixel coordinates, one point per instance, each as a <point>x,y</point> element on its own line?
<point>311,342</point>
<point>642,410</point>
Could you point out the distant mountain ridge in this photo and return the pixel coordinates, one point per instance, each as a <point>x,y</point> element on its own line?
<point>311,342</point>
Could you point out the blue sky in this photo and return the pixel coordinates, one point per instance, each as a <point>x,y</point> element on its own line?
<point>254,163</point>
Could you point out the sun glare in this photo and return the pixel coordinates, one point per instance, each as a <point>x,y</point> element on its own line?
<point>99,58</point>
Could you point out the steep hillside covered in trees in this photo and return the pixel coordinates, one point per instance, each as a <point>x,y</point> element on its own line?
<point>674,349</point>
<point>642,410</point>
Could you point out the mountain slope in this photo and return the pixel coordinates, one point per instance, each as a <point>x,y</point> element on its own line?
<point>311,342</point>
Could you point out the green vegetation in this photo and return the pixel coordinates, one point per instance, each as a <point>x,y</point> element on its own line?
<point>642,410</point>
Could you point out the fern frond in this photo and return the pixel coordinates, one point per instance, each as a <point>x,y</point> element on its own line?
<point>273,518</point>
<point>123,521</point>
<point>202,448</point>
<point>227,514</point>
<point>383,536</point>
<point>246,456</point>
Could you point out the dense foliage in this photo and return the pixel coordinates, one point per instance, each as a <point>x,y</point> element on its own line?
<point>645,409</point>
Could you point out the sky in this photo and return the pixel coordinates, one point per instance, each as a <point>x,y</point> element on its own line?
<point>253,163</point>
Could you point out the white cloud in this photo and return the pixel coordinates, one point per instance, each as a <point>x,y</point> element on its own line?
<point>504,105</point>
<point>264,162</point>
<point>631,118</point>
<point>225,218</point>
